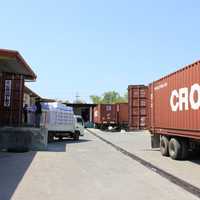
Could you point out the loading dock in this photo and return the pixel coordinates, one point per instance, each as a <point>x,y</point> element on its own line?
<point>85,110</point>
<point>14,71</point>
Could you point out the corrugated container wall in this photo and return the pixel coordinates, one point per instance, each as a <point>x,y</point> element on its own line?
<point>122,113</point>
<point>138,107</point>
<point>175,103</point>
<point>105,114</point>
<point>11,99</point>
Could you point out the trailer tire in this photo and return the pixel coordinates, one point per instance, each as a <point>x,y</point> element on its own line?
<point>175,150</point>
<point>164,146</point>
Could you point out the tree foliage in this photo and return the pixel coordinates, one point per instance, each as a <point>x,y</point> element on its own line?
<point>96,99</point>
<point>109,97</point>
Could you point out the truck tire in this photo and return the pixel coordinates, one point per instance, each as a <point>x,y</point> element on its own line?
<point>175,150</point>
<point>164,146</point>
<point>76,136</point>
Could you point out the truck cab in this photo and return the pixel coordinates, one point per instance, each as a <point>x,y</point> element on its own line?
<point>79,124</point>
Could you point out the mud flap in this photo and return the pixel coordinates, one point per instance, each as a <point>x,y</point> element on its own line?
<point>155,140</point>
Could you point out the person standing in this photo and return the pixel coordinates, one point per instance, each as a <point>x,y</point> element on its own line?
<point>38,113</point>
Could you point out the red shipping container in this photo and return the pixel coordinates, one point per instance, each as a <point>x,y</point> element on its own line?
<point>139,103</point>
<point>138,109</point>
<point>175,103</point>
<point>105,114</point>
<point>139,122</point>
<point>122,113</point>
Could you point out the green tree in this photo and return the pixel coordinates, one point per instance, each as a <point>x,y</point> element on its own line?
<point>95,99</point>
<point>109,97</point>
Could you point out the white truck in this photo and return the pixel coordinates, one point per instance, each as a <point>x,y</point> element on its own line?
<point>61,122</point>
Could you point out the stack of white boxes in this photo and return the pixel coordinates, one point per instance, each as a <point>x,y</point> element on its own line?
<point>57,114</point>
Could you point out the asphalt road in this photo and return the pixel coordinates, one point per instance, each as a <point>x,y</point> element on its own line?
<point>87,170</point>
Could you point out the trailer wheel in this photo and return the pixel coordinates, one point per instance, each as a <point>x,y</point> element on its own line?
<point>164,146</point>
<point>175,150</point>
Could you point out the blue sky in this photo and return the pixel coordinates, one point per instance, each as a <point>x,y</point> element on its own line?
<point>91,47</point>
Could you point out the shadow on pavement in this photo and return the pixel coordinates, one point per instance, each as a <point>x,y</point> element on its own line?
<point>60,146</point>
<point>13,166</point>
<point>195,158</point>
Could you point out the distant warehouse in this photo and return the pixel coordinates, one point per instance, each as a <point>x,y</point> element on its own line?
<point>83,109</point>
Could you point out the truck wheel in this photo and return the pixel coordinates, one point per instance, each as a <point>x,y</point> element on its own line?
<point>185,148</point>
<point>164,146</point>
<point>175,151</point>
<point>76,136</point>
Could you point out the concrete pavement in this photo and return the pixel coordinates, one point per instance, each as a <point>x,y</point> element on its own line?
<point>139,143</point>
<point>89,170</point>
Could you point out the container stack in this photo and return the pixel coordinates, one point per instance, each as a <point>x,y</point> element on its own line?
<point>57,114</point>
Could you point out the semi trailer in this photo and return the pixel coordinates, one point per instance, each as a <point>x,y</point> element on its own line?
<point>174,112</point>
<point>111,115</point>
